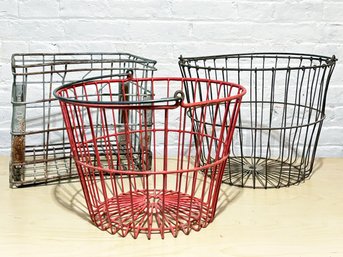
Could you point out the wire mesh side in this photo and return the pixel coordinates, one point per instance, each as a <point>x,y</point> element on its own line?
<point>40,151</point>
<point>281,117</point>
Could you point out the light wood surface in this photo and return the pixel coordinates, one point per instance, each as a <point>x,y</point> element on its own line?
<point>303,220</point>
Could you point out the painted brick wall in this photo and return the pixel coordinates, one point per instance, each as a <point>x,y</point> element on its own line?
<point>164,29</point>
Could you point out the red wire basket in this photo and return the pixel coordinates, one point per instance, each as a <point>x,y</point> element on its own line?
<point>170,180</point>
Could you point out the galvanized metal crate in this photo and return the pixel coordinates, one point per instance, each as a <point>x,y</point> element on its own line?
<point>40,151</point>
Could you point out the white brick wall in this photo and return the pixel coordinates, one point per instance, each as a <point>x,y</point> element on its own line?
<point>164,29</point>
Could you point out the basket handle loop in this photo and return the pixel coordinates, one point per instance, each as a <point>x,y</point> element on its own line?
<point>179,95</point>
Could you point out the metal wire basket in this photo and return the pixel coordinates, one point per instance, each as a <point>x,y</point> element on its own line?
<point>177,192</point>
<point>40,151</point>
<point>281,117</point>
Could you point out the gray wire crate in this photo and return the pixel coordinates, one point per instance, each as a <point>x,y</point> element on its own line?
<point>40,151</point>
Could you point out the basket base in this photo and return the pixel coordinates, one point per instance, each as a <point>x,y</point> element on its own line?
<point>263,173</point>
<point>152,211</point>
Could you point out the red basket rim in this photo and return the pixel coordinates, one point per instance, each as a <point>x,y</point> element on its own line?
<point>145,104</point>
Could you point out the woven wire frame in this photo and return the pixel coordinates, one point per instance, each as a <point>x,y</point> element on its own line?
<point>281,116</point>
<point>40,150</point>
<point>178,192</point>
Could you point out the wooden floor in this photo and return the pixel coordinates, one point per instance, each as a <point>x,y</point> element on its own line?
<point>303,220</point>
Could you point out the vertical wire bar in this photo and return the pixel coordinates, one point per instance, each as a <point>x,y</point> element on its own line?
<point>285,160</point>
<point>309,133</point>
<point>154,121</point>
<point>48,125</point>
<point>45,144</point>
<point>165,158</point>
<point>129,155</point>
<point>85,149</point>
<point>99,164</point>
<point>299,123</point>
<point>194,119</point>
<point>251,88</point>
<point>264,159</point>
<point>203,132</point>
<point>240,130</point>
<point>223,131</point>
<point>263,89</point>
<point>181,153</point>
<point>320,92</point>
<point>113,175</point>
<point>308,85</point>
<point>255,121</point>
<point>200,138</point>
<point>119,165</point>
<point>271,110</point>
<point>294,120</point>
<point>107,140</point>
<point>217,148</point>
<point>64,134</point>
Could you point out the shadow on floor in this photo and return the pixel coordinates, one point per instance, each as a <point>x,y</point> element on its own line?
<point>71,198</point>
